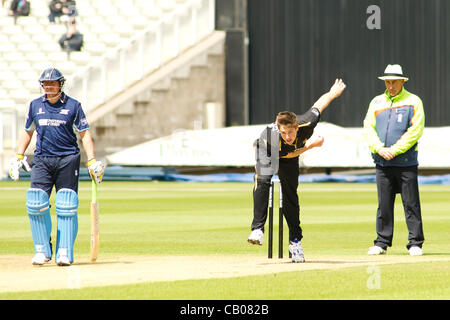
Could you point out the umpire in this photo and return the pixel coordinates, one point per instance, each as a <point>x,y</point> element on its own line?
<point>277,151</point>
<point>394,123</point>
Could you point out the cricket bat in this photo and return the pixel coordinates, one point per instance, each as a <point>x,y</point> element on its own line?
<point>95,231</point>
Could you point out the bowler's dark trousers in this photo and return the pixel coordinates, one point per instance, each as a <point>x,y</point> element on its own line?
<point>288,173</point>
<point>403,180</point>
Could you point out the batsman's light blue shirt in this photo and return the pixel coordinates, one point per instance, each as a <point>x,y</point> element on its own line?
<point>55,125</point>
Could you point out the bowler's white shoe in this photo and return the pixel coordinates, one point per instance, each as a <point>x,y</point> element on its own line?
<point>63,261</point>
<point>296,250</point>
<point>256,237</point>
<point>415,251</point>
<point>39,259</point>
<point>376,250</point>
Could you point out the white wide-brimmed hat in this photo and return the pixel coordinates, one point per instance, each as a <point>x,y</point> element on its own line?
<point>393,72</point>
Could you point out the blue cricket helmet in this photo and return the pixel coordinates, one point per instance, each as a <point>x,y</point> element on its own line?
<point>52,74</point>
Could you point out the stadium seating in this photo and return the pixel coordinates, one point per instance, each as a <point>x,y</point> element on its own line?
<point>114,30</point>
<point>31,45</point>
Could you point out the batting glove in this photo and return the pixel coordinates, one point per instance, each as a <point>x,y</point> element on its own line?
<point>16,163</point>
<point>96,170</point>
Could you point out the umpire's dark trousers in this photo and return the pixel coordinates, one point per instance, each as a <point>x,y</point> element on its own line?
<point>403,180</point>
<point>288,173</point>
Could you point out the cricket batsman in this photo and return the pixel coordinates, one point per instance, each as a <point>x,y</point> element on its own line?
<point>277,151</point>
<point>55,117</point>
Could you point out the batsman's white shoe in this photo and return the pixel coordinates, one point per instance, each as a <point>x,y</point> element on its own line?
<point>296,250</point>
<point>39,259</point>
<point>415,251</point>
<point>256,237</point>
<point>63,261</point>
<point>376,250</point>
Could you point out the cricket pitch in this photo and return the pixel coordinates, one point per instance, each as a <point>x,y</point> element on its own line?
<point>17,274</point>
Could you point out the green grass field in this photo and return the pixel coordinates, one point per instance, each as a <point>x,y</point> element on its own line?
<point>164,218</point>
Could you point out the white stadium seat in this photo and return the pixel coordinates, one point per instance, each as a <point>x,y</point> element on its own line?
<point>12,84</point>
<point>6,75</point>
<point>34,30</point>
<point>92,20</point>
<point>58,56</point>
<point>7,47</point>
<point>13,56</point>
<point>67,67</point>
<point>110,39</point>
<point>153,13</point>
<point>28,74</point>
<point>40,66</point>
<point>101,29</point>
<point>145,3</point>
<point>139,22</point>
<point>20,38</point>
<point>20,94</point>
<point>35,56</point>
<point>124,30</point>
<point>43,38</point>
<point>20,66</point>
<point>40,8</point>
<point>4,37</point>
<point>11,29</point>
<point>80,57</point>
<point>90,37</point>
<point>4,65</point>
<point>85,11</point>
<point>95,48</point>
<point>129,11</point>
<point>32,84</point>
<point>3,95</point>
<point>166,5</point>
<point>28,47</point>
<point>50,47</point>
<point>101,4</point>
<point>27,21</point>
<point>56,29</point>
<point>7,103</point>
<point>6,21</point>
<point>43,21</point>
<point>115,20</point>
<point>106,11</point>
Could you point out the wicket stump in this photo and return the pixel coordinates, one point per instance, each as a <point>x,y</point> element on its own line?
<point>280,222</point>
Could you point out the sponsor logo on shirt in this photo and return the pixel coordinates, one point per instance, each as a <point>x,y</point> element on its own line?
<point>40,111</point>
<point>51,122</point>
<point>64,111</point>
